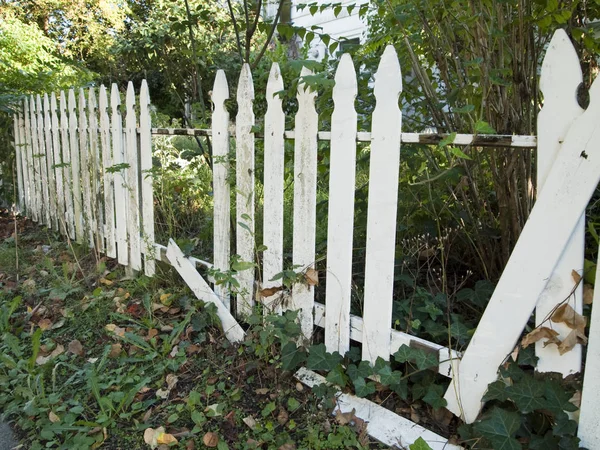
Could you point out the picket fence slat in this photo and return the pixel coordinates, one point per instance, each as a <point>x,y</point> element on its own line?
<point>49,162</point>
<point>67,169</point>
<point>121,195</point>
<point>146,181</point>
<point>95,173</point>
<point>75,169</point>
<point>221,189</point>
<point>244,171</point>
<point>17,144</point>
<point>29,160</point>
<point>305,192</point>
<point>132,176</point>
<point>41,158</point>
<point>84,165</point>
<point>57,169</point>
<point>37,173</point>
<point>560,77</point>
<point>381,215</point>
<point>340,227</point>
<point>568,188</point>
<point>108,177</point>
<point>273,190</point>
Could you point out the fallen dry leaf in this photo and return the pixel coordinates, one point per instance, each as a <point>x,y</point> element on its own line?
<point>190,445</point>
<point>268,292</point>
<point>166,438</point>
<point>573,338</point>
<point>45,324</point>
<point>311,276</point>
<point>567,315</point>
<point>115,350</point>
<point>288,446</point>
<point>40,360</point>
<point>262,391</point>
<point>166,299</point>
<point>250,422</point>
<point>192,348</point>
<point>538,334</point>
<point>345,418</point>
<point>75,347</point>
<point>152,332</point>
<point>155,437</point>
<point>112,328</point>
<point>53,417</point>
<point>575,275</point>
<point>105,282</point>
<point>210,439</point>
<point>282,417</point>
<point>588,294</point>
<point>171,381</point>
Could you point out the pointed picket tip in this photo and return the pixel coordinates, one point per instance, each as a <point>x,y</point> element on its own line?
<point>53,103</point>
<point>115,98</point>
<point>275,82</point>
<point>72,99</point>
<point>82,101</point>
<point>302,88</point>
<point>245,84</point>
<point>92,98</point>
<point>388,78</point>
<point>144,93</point>
<point>220,91</point>
<point>561,72</point>
<point>63,100</point>
<point>345,76</point>
<point>130,97</point>
<point>38,100</point>
<point>46,103</point>
<point>103,100</point>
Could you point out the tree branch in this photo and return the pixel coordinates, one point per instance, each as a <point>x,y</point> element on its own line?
<point>270,36</point>
<point>237,31</point>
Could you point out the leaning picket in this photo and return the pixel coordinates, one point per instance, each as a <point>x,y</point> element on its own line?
<point>18,158</point>
<point>560,77</point>
<point>75,169</point>
<point>221,189</point>
<point>121,197</point>
<point>146,179</point>
<point>381,215</point>
<point>273,191</point>
<point>58,166</point>
<point>340,227</point>
<point>27,142</point>
<point>49,160</point>
<point>41,160</point>
<point>35,161</point>
<point>305,203</point>
<point>66,169</point>
<point>244,171</point>
<point>108,177</point>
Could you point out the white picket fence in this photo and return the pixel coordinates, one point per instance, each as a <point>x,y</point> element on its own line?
<point>83,172</point>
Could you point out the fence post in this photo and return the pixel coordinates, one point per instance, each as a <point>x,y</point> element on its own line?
<point>27,141</point>
<point>340,226</point>
<point>221,189</point>
<point>273,190</point>
<point>244,171</point>
<point>305,192</point>
<point>381,216</point>
<point>49,161</point>
<point>18,157</point>
<point>67,169</point>
<point>86,159</point>
<point>43,165</point>
<point>58,167</point>
<point>75,169</point>
<point>96,220</point>
<point>121,195</point>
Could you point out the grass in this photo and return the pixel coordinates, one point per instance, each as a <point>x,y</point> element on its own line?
<point>90,359</point>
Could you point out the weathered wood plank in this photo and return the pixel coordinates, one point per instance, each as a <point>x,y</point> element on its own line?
<point>132,176</point>
<point>381,215</point>
<point>221,189</point>
<point>559,80</point>
<point>58,167</point>
<point>244,171</point>
<point>42,164</point>
<point>382,424</point>
<point>19,159</point>
<point>273,190</point>
<point>75,170</point>
<point>305,192</point>
<point>31,194</point>
<point>233,331</point>
<point>49,160</point>
<point>120,182</point>
<point>108,177</point>
<point>85,165</point>
<point>568,188</point>
<point>97,221</point>
<point>147,180</point>
<point>35,164</point>
<point>67,169</point>
<point>340,226</point>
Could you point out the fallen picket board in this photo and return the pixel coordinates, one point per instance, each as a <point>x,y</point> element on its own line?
<point>232,329</point>
<point>567,190</point>
<point>382,424</point>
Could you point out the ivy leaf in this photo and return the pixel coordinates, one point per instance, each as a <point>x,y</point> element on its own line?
<point>353,354</point>
<point>496,391</point>
<point>363,388</point>
<point>434,396</point>
<point>528,394</point>
<point>363,370</point>
<point>388,376</point>
<point>482,127</point>
<point>557,397</point>
<point>564,426</point>
<point>292,356</point>
<point>401,389</point>
<point>500,428</point>
<point>425,359</point>
<point>513,371</point>
<point>548,442</point>
<point>319,359</point>
<point>337,376</point>
<point>420,444</point>
<point>404,353</point>
<point>527,357</point>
